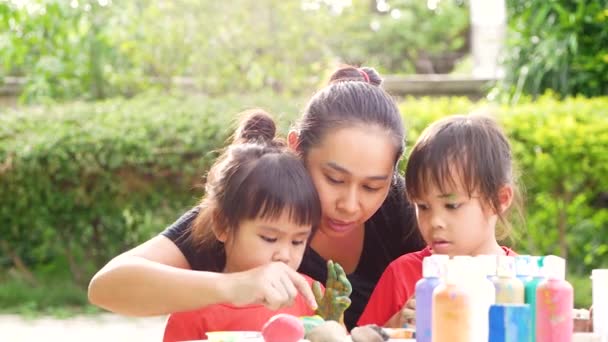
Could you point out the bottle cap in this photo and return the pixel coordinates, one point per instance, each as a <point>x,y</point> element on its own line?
<point>434,265</point>
<point>536,263</point>
<point>599,274</point>
<point>505,266</point>
<point>523,265</point>
<point>554,267</point>
<point>455,271</point>
<point>487,264</point>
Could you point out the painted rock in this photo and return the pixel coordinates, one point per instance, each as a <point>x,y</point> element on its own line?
<point>365,334</point>
<point>330,331</point>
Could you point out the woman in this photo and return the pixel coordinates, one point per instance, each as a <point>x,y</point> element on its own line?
<point>351,138</point>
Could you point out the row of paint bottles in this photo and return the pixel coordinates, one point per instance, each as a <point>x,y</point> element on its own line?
<point>456,297</point>
<point>461,303</point>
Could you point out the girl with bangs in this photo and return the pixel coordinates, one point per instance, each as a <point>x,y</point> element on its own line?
<point>460,177</point>
<point>259,210</point>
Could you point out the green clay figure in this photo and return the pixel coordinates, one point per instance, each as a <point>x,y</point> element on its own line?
<point>336,299</point>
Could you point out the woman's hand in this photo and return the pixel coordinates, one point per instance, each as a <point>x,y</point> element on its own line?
<point>404,317</point>
<point>274,285</point>
<point>336,298</point>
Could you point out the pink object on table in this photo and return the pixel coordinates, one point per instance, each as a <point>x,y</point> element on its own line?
<point>283,328</point>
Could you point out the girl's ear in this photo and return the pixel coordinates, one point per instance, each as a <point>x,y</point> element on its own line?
<point>505,197</point>
<point>293,140</point>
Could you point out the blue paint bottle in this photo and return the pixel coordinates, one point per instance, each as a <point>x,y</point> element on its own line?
<point>510,323</point>
<point>433,270</point>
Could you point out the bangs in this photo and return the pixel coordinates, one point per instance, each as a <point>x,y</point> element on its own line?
<point>445,174</point>
<point>449,158</point>
<point>278,184</point>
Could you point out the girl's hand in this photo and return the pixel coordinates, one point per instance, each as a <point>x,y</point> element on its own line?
<point>274,285</point>
<point>405,317</point>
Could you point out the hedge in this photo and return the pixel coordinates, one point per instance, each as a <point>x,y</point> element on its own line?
<point>82,182</point>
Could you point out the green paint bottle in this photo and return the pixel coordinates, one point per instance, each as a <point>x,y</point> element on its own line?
<point>529,270</point>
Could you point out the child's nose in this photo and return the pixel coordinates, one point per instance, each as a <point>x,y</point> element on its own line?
<point>437,221</point>
<point>282,253</point>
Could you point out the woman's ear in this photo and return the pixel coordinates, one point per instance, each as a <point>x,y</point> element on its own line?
<point>505,197</point>
<point>293,140</point>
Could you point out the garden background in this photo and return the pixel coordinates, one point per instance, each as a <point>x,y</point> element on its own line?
<point>114,110</point>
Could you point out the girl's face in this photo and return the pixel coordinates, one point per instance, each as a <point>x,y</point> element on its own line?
<point>261,241</point>
<point>352,169</point>
<point>453,223</point>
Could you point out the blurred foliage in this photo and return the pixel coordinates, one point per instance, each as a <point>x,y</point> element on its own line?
<point>82,182</point>
<point>557,44</point>
<point>95,49</point>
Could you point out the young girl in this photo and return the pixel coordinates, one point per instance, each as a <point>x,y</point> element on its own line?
<point>460,177</point>
<point>259,210</point>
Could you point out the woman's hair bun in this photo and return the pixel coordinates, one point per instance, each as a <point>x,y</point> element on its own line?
<point>351,73</point>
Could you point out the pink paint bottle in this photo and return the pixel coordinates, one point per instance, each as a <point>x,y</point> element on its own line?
<point>554,303</point>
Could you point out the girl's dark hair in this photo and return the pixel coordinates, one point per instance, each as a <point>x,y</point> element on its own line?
<point>255,177</point>
<point>470,150</point>
<point>353,97</point>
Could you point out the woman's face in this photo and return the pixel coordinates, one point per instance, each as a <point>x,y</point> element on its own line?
<point>352,169</point>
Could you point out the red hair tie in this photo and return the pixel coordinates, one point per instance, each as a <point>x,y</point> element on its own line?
<point>364,74</point>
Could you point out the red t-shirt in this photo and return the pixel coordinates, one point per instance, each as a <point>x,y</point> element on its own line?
<point>396,285</point>
<point>193,325</point>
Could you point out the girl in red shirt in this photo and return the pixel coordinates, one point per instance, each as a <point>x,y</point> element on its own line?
<point>259,209</point>
<point>461,179</point>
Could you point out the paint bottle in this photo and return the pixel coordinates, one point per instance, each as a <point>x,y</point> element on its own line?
<point>533,265</point>
<point>554,303</point>
<point>484,294</point>
<point>452,308</point>
<point>433,271</point>
<point>509,289</point>
<point>599,288</point>
<point>510,323</point>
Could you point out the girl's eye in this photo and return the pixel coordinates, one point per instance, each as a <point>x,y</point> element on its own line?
<point>268,239</point>
<point>333,180</point>
<point>298,242</point>
<point>421,206</point>
<point>452,206</point>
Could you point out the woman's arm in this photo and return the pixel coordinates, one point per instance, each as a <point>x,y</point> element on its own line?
<point>154,279</point>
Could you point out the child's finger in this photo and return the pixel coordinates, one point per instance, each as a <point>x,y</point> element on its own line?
<point>411,304</point>
<point>290,290</point>
<point>302,285</point>
<point>273,298</point>
<point>408,316</point>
